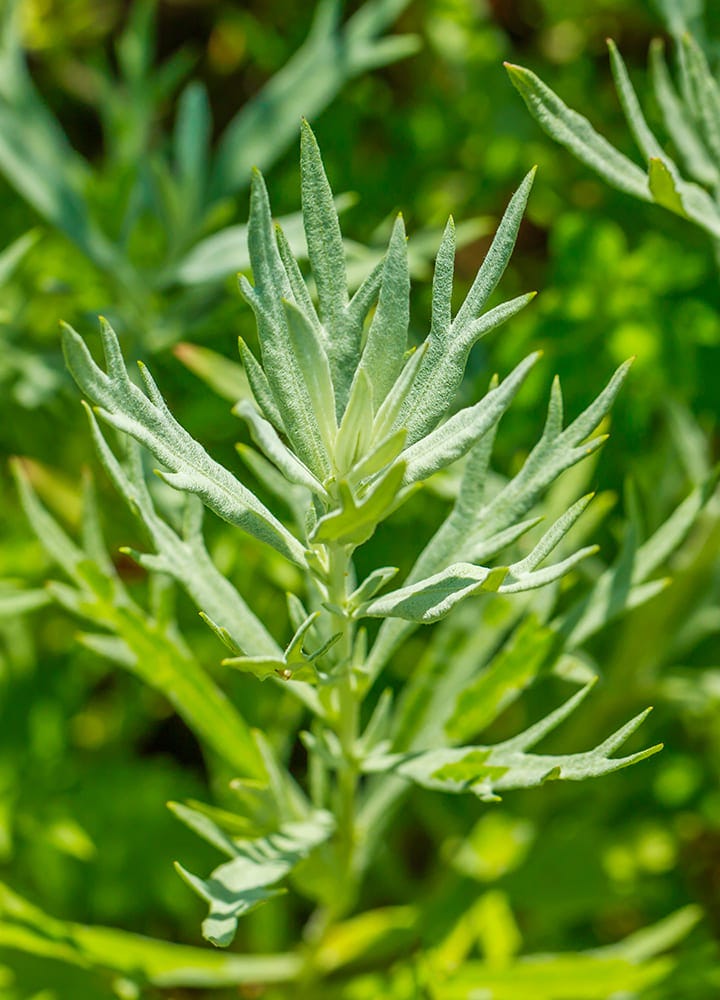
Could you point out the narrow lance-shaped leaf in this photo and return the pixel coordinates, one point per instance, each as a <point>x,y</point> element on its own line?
<point>471,524</point>
<point>457,436</point>
<point>248,880</point>
<point>485,770</point>
<point>312,363</point>
<point>429,600</point>
<point>678,123</point>
<point>666,185</point>
<point>577,134</point>
<point>496,259</point>
<point>185,558</point>
<point>443,367</point>
<point>271,289</point>
<point>384,350</point>
<point>704,92</point>
<point>259,385</point>
<point>147,419</point>
<point>324,239</point>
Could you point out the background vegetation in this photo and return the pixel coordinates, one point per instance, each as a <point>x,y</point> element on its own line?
<point>88,755</point>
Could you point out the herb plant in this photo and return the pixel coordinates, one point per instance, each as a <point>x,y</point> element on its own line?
<point>690,113</point>
<point>349,422</point>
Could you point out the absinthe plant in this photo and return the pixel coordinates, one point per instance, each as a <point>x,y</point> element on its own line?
<point>348,424</point>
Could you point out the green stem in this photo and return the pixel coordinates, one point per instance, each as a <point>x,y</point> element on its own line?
<point>347,722</point>
<point>346,729</point>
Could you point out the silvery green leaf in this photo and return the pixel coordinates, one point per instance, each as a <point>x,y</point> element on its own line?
<point>518,583</point>
<point>665,183</point>
<point>443,367</point>
<point>312,363</point>
<point>495,262</point>
<point>269,442</point>
<point>272,288</point>
<point>441,376</point>
<point>646,141</point>
<point>245,882</point>
<point>485,770</point>
<point>371,584</point>
<point>259,385</point>
<point>388,413</point>
<point>453,439</point>
<point>442,287</point>
<point>577,134</point>
<point>679,124</point>
<point>377,457</point>
<point>341,319</point>
<point>704,92</point>
<point>472,523</point>
<point>431,599</point>
<point>488,548</point>
<point>146,418</point>
<point>384,351</point>
<point>300,290</point>
<point>325,246</point>
<point>552,538</point>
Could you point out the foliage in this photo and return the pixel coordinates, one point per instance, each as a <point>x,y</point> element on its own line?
<point>356,440</point>
<point>449,895</point>
<point>691,116</point>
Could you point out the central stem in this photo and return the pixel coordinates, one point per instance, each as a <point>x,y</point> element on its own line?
<point>346,722</point>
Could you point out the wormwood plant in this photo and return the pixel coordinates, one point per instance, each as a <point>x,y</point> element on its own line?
<point>690,113</point>
<point>349,422</point>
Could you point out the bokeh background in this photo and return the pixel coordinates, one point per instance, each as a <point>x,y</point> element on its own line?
<point>88,755</point>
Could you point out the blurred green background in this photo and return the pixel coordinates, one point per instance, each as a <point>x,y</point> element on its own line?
<point>88,756</point>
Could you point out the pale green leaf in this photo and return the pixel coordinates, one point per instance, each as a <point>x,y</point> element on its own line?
<point>486,770</point>
<point>355,519</point>
<point>324,242</point>
<point>145,417</point>
<point>24,927</point>
<point>679,124</point>
<point>431,599</point>
<point>453,439</point>
<point>239,885</point>
<point>384,351</point>
<point>577,134</point>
